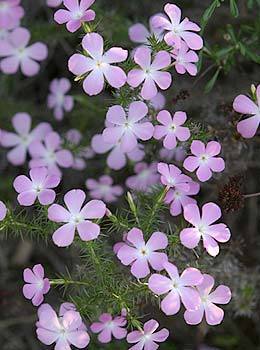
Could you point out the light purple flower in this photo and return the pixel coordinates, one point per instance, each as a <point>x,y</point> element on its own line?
<point>158,102</point>
<point>76,218</point>
<point>177,30</point>
<point>23,138</point>
<point>108,327</point>
<point>58,100</point>
<point>242,104</point>
<point>185,60</point>
<point>177,154</point>
<point>54,3</point>
<point>178,288</point>
<point>10,13</point>
<point>18,54</point>
<point>203,228</point>
<point>171,176</point>
<point>3,211</point>
<point>204,159</point>
<point>214,314</point>
<point>146,176</point>
<point>179,198</point>
<point>39,186</point>
<point>128,128</point>
<point>77,13</point>
<point>171,128</point>
<point>98,65</point>
<point>36,285</point>
<point>148,338</point>
<point>140,254</point>
<point>103,189</point>
<point>138,33</point>
<point>116,159</point>
<point>74,136</point>
<point>63,330</point>
<point>150,73</point>
<point>50,154</point>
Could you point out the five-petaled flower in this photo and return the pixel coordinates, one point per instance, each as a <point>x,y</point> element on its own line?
<point>75,218</point>
<point>140,254</point>
<point>214,314</point>
<point>98,65</point>
<point>204,159</point>
<point>185,60</point>
<point>39,186</point>
<point>36,285</point>
<point>108,327</point>
<point>103,189</point>
<point>178,288</point>
<point>171,176</point>
<point>203,228</point>
<point>150,73</point>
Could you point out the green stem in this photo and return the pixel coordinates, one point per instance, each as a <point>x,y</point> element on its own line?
<point>158,202</point>
<point>61,281</point>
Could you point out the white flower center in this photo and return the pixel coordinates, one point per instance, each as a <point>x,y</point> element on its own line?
<point>77,14</point>
<point>204,158</point>
<point>3,6</point>
<point>144,252</point>
<point>21,53</point>
<point>25,139</point>
<point>202,228</point>
<point>172,127</point>
<point>50,157</point>
<point>60,98</point>
<point>38,188</point>
<point>76,219</point>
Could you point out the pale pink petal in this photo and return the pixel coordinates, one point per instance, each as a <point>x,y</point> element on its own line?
<point>93,44</point>
<point>159,284</point>
<point>88,230</point>
<point>190,237</point>
<point>63,236</point>
<point>94,82</point>
<point>214,314</point>
<point>171,303</point>
<point>243,104</point>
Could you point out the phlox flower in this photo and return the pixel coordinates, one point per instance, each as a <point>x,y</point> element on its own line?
<point>98,65</point>
<point>147,339</point>
<point>22,139</point>
<point>179,198</point>
<point>77,13</point>
<point>10,13</point>
<point>54,3</point>
<point>203,228</point>
<point>146,176</point>
<point>63,330</point>
<point>185,60</point>
<point>158,102</point>
<point>242,104</point>
<point>36,285</point>
<point>214,314</point>
<point>204,159</point>
<point>3,211</point>
<point>178,154</point>
<point>108,327</point>
<point>17,53</point>
<point>171,129</point>
<point>50,154</point>
<point>76,218</point>
<point>103,189</point>
<point>128,127</point>
<point>58,100</point>
<point>74,137</point>
<point>39,185</point>
<point>171,176</point>
<point>140,254</point>
<point>177,30</point>
<point>179,288</point>
<point>150,73</point>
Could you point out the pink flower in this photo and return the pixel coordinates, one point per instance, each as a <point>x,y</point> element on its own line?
<point>64,330</point>
<point>150,73</point>
<point>177,154</point>
<point>50,154</point>
<point>17,53</point>
<point>185,60</point>
<point>58,100</point>
<point>140,255</point>
<point>76,218</point>
<point>138,33</point>
<point>103,189</point>
<point>39,186</point>
<point>108,327</point>
<point>158,102</point>
<point>10,13</point>
<point>77,13</point>
<point>204,159</point>
<point>116,159</point>
<point>179,288</point>
<point>3,211</point>
<point>23,138</point>
<point>171,128</point>
<point>73,136</point>
<point>148,338</point>
<point>214,314</point>
<point>179,198</point>
<point>128,128</point>
<point>177,30</point>
<point>54,3</point>
<point>99,65</point>
<point>146,176</point>
<point>172,176</point>
<point>203,228</point>
<point>242,104</point>
<point>36,285</point>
